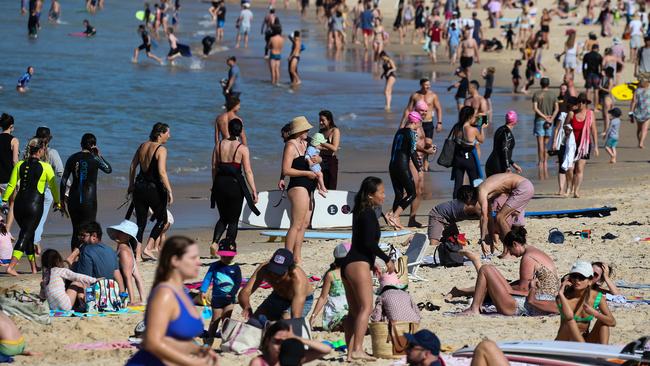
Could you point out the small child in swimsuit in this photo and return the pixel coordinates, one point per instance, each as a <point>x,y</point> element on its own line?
<point>225,278</point>
<point>611,137</point>
<point>312,151</point>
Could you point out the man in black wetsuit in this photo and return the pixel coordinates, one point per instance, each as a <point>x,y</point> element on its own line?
<point>81,201</point>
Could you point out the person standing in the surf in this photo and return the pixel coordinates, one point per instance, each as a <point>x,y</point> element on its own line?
<point>174,50</point>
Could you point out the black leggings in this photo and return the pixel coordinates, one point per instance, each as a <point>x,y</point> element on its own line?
<point>145,196</point>
<point>28,209</point>
<point>402,181</point>
<point>80,213</point>
<point>461,166</point>
<point>230,199</point>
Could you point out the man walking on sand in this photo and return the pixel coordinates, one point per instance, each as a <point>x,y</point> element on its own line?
<point>276,42</point>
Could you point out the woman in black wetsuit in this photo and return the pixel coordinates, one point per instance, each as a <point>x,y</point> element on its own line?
<point>500,160</point>
<point>81,201</point>
<point>229,189</point>
<point>360,261</point>
<point>403,151</point>
<point>30,177</point>
<point>301,185</point>
<point>151,188</point>
<point>389,73</point>
<point>467,136</point>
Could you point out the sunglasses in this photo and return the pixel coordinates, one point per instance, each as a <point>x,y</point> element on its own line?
<point>577,277</point>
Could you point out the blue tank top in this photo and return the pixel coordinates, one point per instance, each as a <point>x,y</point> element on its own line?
<point>183,328</point>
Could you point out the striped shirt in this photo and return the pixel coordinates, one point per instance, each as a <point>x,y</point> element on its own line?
<point>54,285</point>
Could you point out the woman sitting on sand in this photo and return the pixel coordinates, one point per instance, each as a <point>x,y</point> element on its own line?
<point>58,295</point>
<point>301,184</point>
<point>579,304</point>
<point>171,320</point>
<point>532,295</point>
<point>273,338</point>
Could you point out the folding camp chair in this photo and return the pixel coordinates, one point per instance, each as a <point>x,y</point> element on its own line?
<point>415,255</point>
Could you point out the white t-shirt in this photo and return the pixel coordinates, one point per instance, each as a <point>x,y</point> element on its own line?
<point>636,28</point>
<point>246,17</point>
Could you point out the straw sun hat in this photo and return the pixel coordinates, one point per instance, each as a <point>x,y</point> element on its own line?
<point>299,124</point>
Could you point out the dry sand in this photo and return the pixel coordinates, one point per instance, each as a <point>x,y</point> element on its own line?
<point>623,185</point>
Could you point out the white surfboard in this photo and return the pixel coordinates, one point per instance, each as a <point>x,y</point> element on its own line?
<point>333,211</point>
<point>274,208</point>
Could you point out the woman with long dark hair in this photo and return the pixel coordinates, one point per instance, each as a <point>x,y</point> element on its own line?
<point>360,261</point>
<point>81,200</point>
<point>467,136</point>
<point>171,320</point>
<point>151,187</point>
<point>29,177</point>
<point>330,162</point>
<point>229,188</point>
<point>583,122</point>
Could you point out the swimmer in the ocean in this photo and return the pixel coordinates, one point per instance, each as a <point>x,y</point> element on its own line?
<point>90,30</point>
<point>294,58</point>
<point>275,53</point>
<point>146,45</point>
<point>21,87</point>
<point>174,51</point>
<point>55,12</point>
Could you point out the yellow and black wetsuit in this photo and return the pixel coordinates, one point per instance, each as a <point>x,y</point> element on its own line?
<point>33,175</point>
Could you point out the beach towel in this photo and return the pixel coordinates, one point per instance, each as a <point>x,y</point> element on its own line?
<point>14,301</point>
<point>585,138</point>
<point>70,313</point>
<point>569,152</point>
<point>625,284</point>
<point>100,346</point>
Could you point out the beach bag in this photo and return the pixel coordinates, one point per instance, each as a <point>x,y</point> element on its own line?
<point>388,339</point>
<point>446,157</point>
<point>448,255</point>
<point>14,301</point>
<point>401,267</point>
<point>555,236</point>
<point>104,295</point>
<point>239,338</point>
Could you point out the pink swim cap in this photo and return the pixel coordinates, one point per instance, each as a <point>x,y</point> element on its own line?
<point>415,117</point>
<point>511,117</point>
<point>421,105</point>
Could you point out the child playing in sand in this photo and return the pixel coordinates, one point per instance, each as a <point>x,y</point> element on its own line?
<point>611,139</point>
<point>6,248</point>
<point>225,278</point>
<point>332,297</point>
<point>516,76</point>
<point>53,287</point>
<point>312,151</point>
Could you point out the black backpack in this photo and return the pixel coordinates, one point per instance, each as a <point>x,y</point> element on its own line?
<point>448,255</point>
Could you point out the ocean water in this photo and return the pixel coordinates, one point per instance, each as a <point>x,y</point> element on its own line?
<point>90,85</point>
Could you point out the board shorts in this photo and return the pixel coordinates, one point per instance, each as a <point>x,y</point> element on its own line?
<point>276,57</point>
<point>611,142</point>
<point>244,30</point>
<point>12,348</point>
<point>438,226</point>
<point>367,32</point>
<point>636,41</point>
<point>146,47</point>
<point>220,23</point>
<point>173,51</point>
<point>592,81</point>
<point>428,128</point>
<point>488,93</point>
<point>540,130</point>
<point>518,200</point>
<point>220,302</point>
<point>275,306</point>
<point>466,62</point>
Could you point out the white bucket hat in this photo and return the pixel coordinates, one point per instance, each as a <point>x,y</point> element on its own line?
<point>127,227</point>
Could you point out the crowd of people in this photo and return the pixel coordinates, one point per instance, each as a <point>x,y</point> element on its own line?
<point>565,125</point>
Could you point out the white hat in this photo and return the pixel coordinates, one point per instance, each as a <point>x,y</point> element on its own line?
<point>246,5</point>
<point>583,268</point>
<point>127,227</point>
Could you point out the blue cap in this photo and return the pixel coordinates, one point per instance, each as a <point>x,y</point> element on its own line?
<point>425,339</point>
<point>280,262</point>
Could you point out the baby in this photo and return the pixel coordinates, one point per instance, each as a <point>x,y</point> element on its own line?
<point>313,150</point>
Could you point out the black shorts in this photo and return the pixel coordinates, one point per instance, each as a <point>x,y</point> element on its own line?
<point>488,93</point>
<point>546,29</point>
<point>146,47</point>
<point>466,62</point>
<point>428,128</point>
<point>592,81</point>
<point>173,51</point>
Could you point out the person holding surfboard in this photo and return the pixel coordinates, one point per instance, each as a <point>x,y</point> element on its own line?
<point>579,303</point>
<point>90,30</point>
<point>301,185</point>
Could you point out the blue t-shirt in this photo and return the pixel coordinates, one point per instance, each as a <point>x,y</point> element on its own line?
<point>234,73</point>
<point>366,19</point>
<point>454,37</point>
<point>97,260</point>
<point>24,80</point>
<point>225,280</point>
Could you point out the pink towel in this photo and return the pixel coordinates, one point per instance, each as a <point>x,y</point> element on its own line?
<point>585,139</point>
<point>100,346</point>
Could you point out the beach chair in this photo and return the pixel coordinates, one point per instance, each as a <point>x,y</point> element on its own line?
<point>415,254</point>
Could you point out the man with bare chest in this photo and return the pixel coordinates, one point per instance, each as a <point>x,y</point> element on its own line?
<point>469,51</point>
<point>276,42</point>
<point>221,122</point>
<point>476,100</point>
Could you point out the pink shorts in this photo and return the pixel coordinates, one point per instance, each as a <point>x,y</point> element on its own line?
<point>518,199</point>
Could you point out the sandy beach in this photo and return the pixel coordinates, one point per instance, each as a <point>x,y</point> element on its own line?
<point>623,185</point>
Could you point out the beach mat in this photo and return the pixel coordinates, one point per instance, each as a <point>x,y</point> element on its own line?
<point>100,346</point>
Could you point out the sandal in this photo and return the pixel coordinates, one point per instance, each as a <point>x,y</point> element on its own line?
<point>428,306</point>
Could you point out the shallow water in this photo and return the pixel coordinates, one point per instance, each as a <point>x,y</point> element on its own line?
<point>90,85</point>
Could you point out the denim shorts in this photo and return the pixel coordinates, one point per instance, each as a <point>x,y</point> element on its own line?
<point>275,306</point>
<point>540,131</point>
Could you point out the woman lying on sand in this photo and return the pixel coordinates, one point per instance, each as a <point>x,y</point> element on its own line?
<point>579,304</point>
<point>532,295</point>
